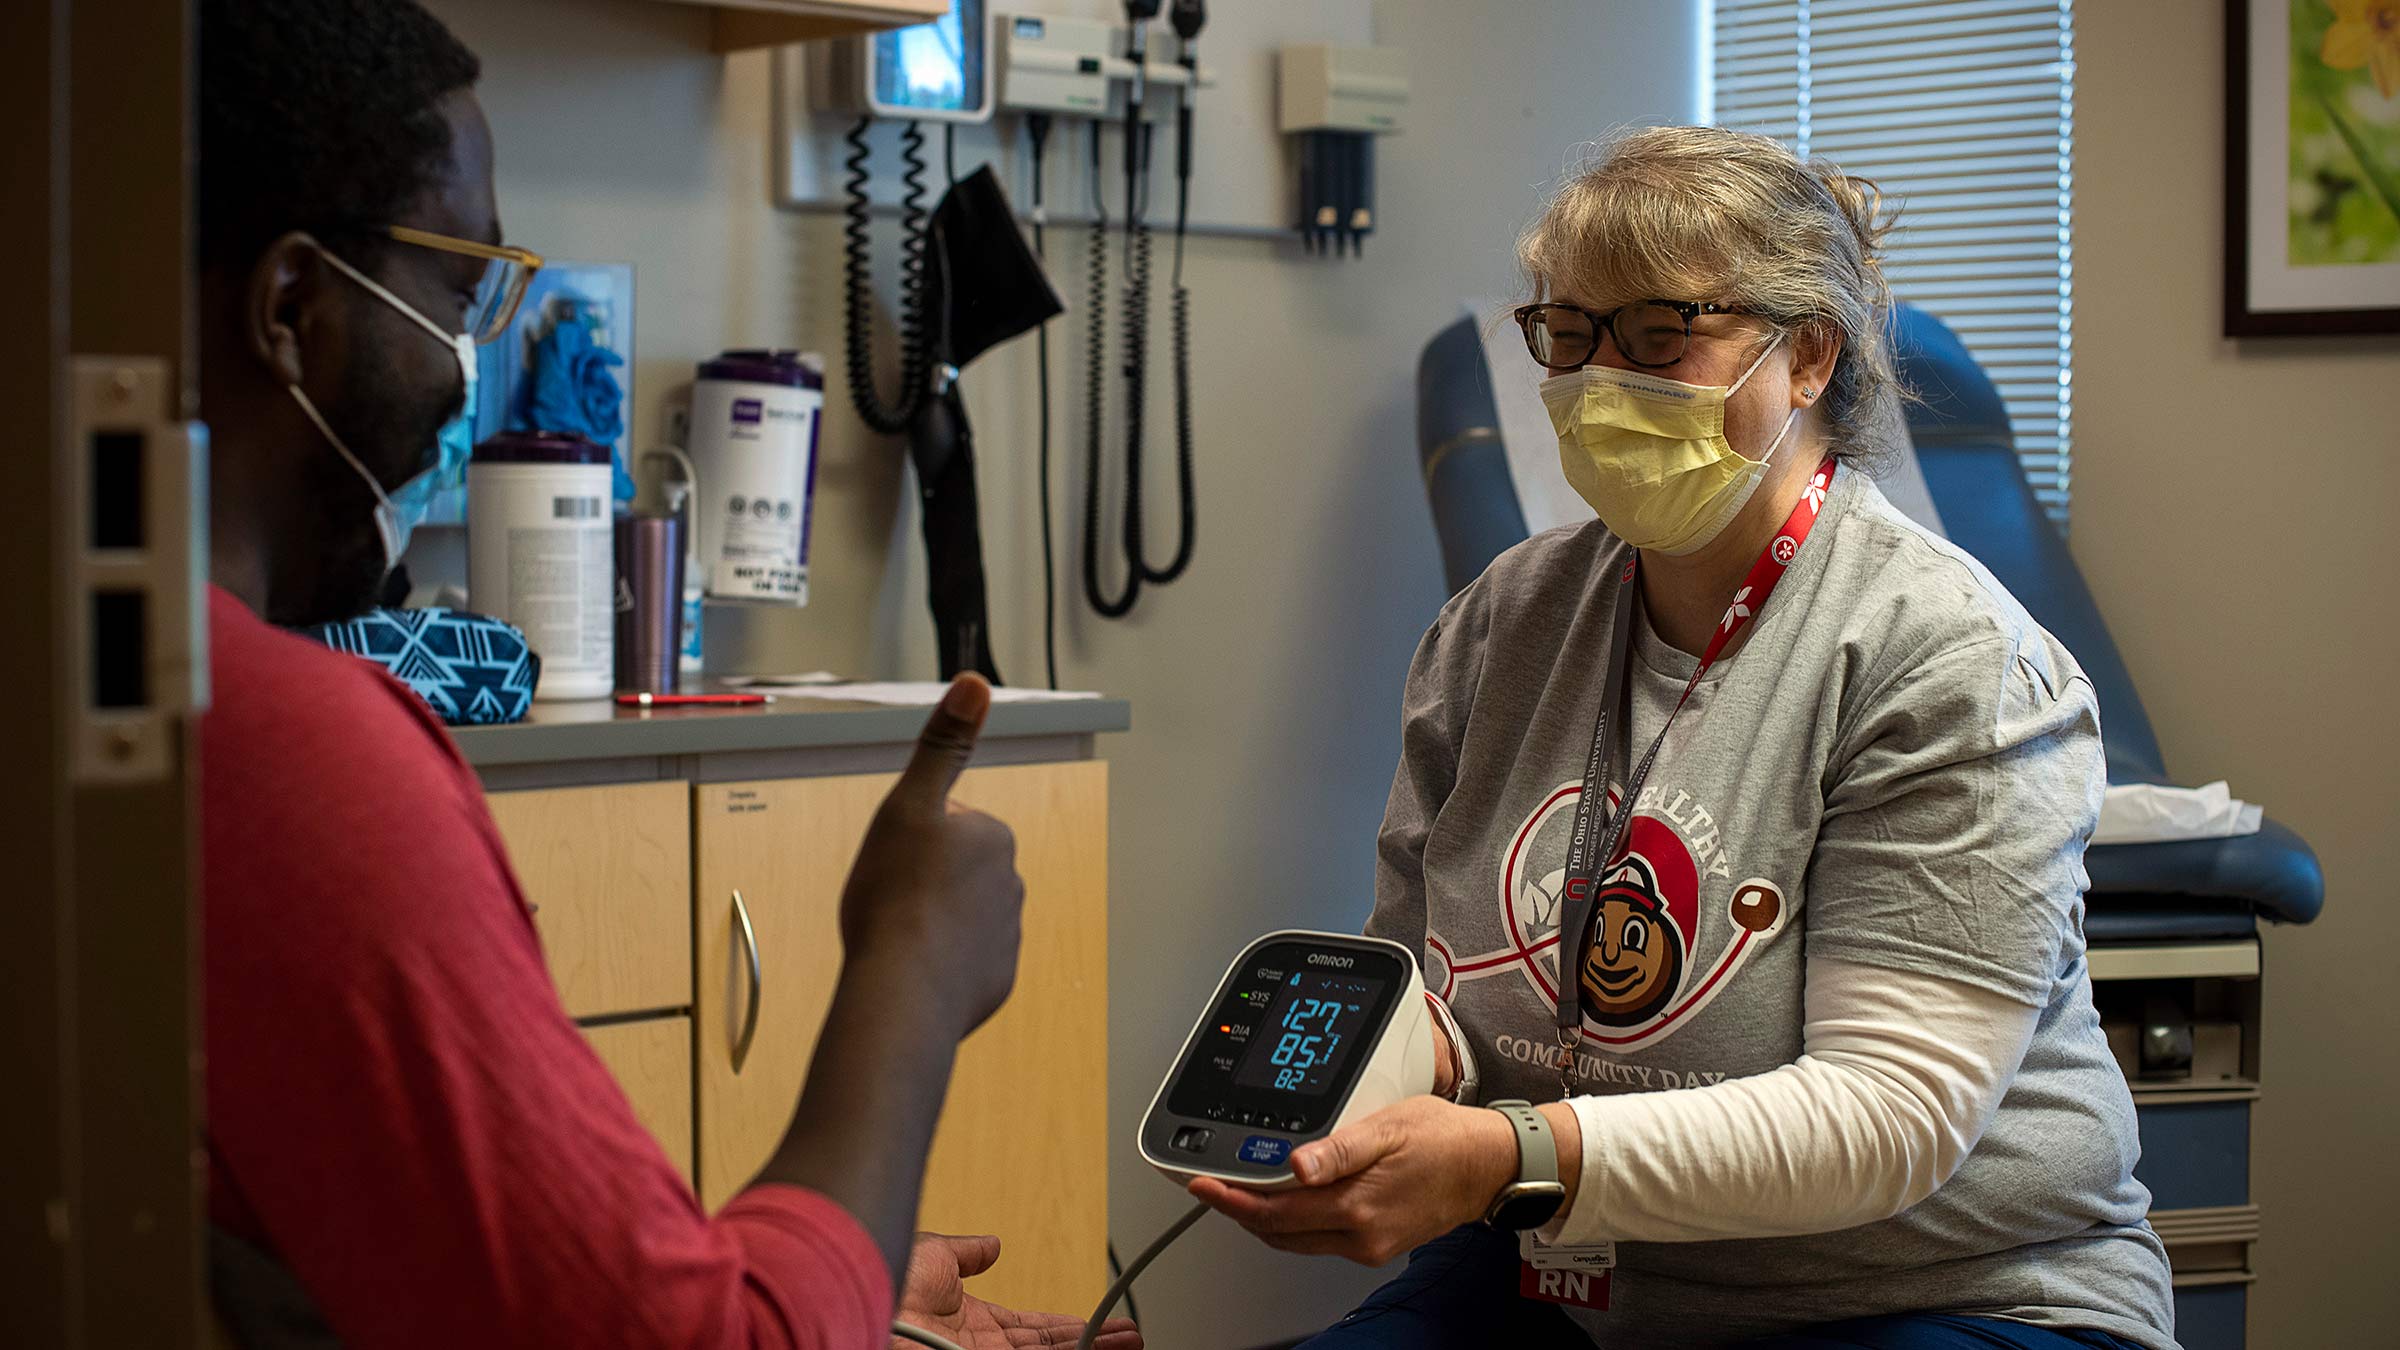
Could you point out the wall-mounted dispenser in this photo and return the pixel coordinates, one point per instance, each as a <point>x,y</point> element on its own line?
<point>1336,100</point>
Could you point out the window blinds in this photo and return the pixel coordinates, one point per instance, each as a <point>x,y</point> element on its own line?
<point>1963,111</point>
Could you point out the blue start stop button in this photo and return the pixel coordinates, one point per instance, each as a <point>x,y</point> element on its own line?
<point>1265,1150</point>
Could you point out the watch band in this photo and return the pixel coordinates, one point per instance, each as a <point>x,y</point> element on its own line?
<point>1537,1152</point>
<point>1536,1195</point>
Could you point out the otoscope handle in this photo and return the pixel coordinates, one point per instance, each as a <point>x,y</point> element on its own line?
<point>1187,17</point>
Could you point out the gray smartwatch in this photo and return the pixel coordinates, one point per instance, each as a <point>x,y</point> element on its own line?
<point>1536,1194</point>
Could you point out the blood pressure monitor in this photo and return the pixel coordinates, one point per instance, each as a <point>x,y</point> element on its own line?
<point>1306,1033</point>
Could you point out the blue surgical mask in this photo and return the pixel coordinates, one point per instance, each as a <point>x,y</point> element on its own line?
<point>454,445</point>
<point>398,512</point>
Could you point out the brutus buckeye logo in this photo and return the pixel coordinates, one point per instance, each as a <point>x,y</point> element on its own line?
<point>1635,963</point>
<point>1650,965</point>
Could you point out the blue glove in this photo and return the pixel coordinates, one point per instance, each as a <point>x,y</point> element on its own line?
<point>573,389</point>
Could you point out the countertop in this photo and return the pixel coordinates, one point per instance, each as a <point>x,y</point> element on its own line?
<point>598,729</point>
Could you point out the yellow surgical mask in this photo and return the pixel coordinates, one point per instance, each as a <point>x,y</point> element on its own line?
<point>1650,454</point>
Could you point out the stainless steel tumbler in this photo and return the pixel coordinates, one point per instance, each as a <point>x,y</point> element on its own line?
<point>649,603</point>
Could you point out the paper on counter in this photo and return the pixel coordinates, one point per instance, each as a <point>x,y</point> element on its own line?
<point>2144,813</point>
<point>781,681</point>
<point>915,694</point>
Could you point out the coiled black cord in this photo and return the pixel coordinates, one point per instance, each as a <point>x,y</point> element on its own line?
<point>1095,384</point>
<point>1136,371</point>
<point>1137,366</point>
<point>857,276</point>
<point>1037,127</point>
<point>1180,350</point>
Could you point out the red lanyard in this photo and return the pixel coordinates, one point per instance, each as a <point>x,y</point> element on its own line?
<point>1592,816</point>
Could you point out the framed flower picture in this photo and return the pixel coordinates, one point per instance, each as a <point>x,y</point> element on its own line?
<point>2312,148</point>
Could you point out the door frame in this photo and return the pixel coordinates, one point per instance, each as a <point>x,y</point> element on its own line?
<point>101,1203</point>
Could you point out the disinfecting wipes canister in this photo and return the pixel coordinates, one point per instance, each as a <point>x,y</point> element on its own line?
<point>541,554</point>
<point>754,444</point>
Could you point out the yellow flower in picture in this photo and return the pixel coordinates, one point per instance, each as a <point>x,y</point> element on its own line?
<point>2366,33</point>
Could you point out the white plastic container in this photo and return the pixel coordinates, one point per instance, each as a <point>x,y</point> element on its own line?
<point>541,554</point>
<point>754,447</point>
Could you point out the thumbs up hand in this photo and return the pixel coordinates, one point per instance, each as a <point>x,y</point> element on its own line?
<point>934,897</point>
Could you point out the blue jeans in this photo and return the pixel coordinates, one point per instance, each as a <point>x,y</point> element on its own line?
<point>1461,1289</point>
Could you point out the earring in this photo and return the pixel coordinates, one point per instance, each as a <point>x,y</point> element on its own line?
<point>1806,392</point>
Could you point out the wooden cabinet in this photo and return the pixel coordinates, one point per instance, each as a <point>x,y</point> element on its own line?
<point>635,890</point>
<point>608,872</point>
<point>652,1060</point>
<point>1022,1147</point>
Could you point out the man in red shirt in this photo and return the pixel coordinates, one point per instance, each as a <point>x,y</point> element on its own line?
<point>406,1134</point>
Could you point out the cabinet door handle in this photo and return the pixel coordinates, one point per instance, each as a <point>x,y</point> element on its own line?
<point>741,1043</point>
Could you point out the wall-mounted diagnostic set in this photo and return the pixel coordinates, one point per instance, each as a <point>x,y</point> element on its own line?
<point>1187,17</point>
<point>995,79</point>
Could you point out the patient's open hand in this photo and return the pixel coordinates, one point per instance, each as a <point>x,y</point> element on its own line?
<point>936,1298</point>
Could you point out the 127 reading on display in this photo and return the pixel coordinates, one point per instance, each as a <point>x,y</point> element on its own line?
<point>1308,1033</point>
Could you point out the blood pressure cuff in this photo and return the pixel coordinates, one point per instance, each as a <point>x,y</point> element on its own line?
<point>471,669</point>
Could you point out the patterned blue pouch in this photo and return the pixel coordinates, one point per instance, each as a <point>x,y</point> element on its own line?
<point>472,670</point>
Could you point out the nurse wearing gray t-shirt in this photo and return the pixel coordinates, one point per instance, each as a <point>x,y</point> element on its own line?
<point>1836,1078</point>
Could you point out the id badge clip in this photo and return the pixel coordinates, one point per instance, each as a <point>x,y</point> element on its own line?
<point>1577,1276</point>
<point>1592,1256</point>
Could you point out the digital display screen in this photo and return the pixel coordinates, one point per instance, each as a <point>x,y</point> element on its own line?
<point>933,67</point>
<point>1310,1031</point>
<point>1286,1036</point>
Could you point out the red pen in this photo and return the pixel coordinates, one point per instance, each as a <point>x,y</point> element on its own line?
<point>683,700</point>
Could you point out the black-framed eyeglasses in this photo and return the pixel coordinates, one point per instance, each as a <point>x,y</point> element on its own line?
<point>1649,333</point>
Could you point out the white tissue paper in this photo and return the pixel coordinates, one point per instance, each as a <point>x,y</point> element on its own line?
<point>2144,813</point>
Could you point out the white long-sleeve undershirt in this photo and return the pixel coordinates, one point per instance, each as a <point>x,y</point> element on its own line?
<point>1898,1077</point>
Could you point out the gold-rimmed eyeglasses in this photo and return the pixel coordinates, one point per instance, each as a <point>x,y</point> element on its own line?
<point>507,271</point>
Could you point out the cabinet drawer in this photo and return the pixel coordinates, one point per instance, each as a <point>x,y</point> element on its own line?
<point>2212,1316</point>
<point>2195,1156</point>
<point>652,1061</point>
<point>609,873</point>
